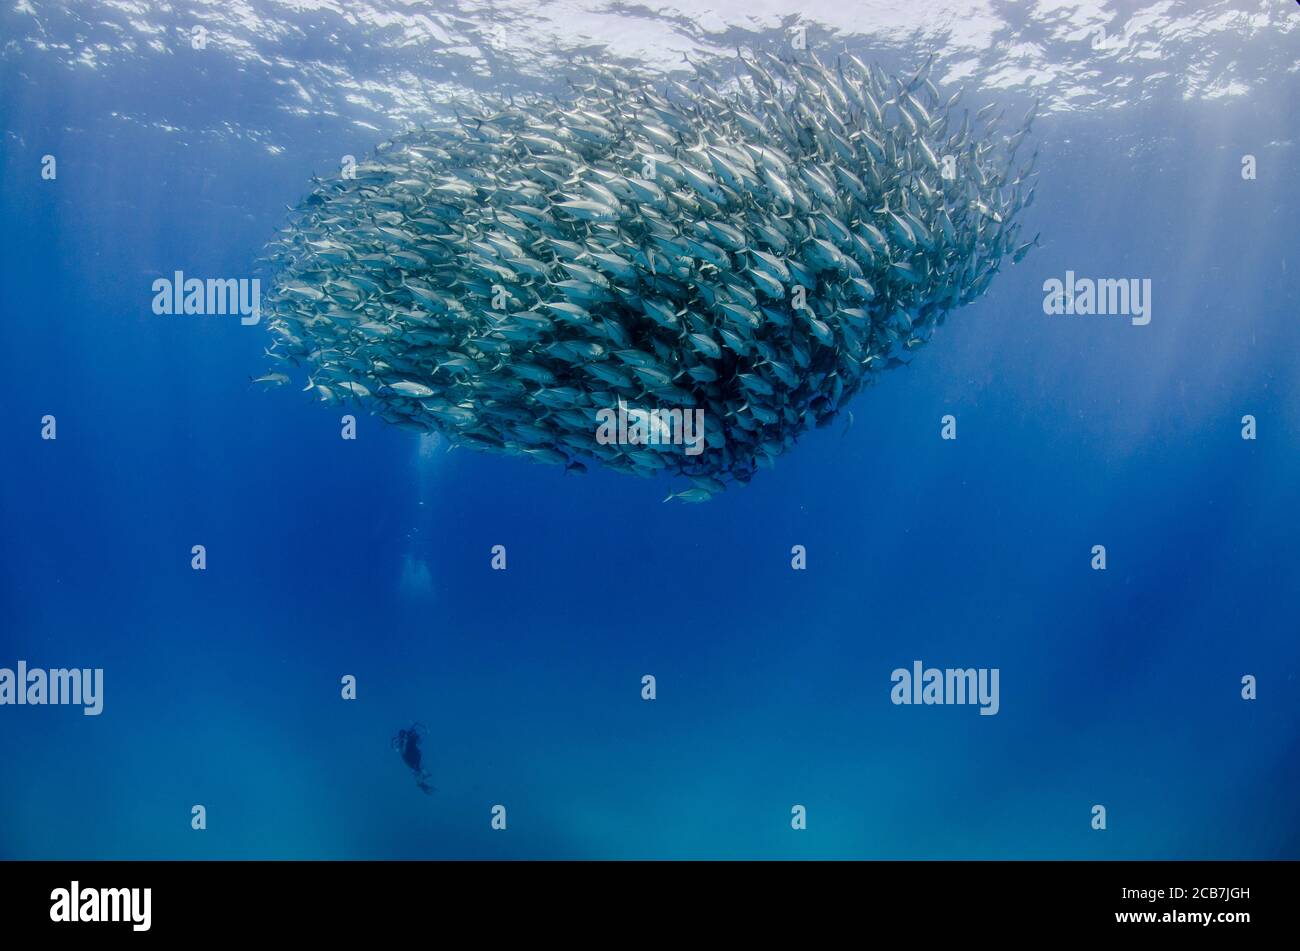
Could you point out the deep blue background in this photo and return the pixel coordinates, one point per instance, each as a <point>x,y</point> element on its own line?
<point>1118,687</point>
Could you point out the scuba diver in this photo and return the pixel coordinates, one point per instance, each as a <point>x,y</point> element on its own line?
<point>407,744</point>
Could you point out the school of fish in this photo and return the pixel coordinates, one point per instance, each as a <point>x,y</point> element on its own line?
<point>758,246</point>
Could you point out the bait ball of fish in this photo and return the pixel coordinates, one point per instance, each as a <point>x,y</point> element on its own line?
<point>757,248</point>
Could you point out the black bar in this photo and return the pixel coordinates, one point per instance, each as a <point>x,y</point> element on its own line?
<point>329,900</point>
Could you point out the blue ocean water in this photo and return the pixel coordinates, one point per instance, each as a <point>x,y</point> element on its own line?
<point>371,557</point>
